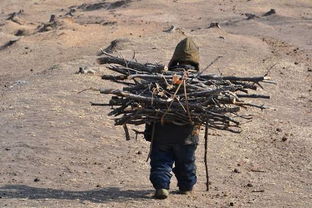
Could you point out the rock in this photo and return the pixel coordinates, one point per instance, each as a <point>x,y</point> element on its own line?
<point>70,12</point>
<point>92,7</point>
<point>115,45</point>
<point>249,185</point>
<point>214,24</point>
<point>109,23</point>
<point>104,5</point>
<point>51,25</point>
<point>15,17</point>
<point>271,12</point>
<point>231,204</point>
<point>85,70</point>
<point>36,180</point>
<point>284,138</point>
<point>139,152</point>
<point>18,83</point>
<point>278,129</point>
<point>250,16</point>
<point>52,18</point>
<point>118,4</point>
<point>9,43</point>
<point>172,28</point>
<point>236,170</point>
<point>20,32</point>
<point>20,12</point>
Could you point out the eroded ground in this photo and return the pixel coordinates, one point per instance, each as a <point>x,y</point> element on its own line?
<point>58,151</point>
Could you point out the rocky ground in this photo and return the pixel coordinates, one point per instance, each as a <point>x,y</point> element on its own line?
<point>58,151</point>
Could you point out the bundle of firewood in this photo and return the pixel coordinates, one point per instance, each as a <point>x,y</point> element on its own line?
<point>151,93</point>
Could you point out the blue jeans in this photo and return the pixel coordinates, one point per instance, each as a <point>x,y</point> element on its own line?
<point>162,159</point>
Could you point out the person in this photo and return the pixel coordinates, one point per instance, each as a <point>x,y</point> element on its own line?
<point>173,144</point>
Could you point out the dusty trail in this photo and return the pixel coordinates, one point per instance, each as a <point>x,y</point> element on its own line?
<point>58,151</point>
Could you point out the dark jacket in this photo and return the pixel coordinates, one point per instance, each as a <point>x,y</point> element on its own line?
<point>170,133</point>
<point>185,57</point>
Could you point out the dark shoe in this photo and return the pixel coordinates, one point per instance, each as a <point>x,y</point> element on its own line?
<point>186,192</point>
<point>161,194</point>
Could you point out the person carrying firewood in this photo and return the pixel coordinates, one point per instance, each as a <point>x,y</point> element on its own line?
<point>171,144</point>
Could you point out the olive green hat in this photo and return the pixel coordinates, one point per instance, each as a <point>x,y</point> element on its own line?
<point>186,52</point>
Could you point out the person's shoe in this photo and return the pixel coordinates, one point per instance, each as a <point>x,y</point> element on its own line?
<point>161,193</point>
<point>186,192</point>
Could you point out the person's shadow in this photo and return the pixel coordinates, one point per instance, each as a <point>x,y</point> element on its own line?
<point>108,194</point>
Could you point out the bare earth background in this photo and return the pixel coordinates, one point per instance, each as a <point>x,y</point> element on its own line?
<point>58,151</point>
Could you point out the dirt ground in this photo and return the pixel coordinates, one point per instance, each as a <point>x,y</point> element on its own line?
<point>56,150</point>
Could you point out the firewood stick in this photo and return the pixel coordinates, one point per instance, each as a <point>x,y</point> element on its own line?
<point>253,96</point>
<point>205,157</point>
<point>126,132</point>
<point>131,64</point>
<point>113,77</point>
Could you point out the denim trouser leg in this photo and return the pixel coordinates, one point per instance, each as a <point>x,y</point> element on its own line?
<point>162,159</point>
<point>185,168</point>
